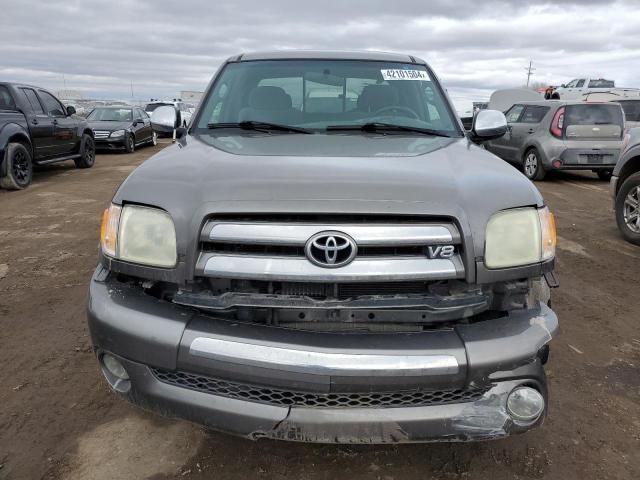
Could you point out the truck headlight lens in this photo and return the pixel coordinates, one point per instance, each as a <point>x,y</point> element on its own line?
<point>117,133</point>
<point>521,236</point>
<point>138,234</point>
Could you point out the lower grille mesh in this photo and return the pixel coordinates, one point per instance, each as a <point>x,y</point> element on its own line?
<point>281,397</point>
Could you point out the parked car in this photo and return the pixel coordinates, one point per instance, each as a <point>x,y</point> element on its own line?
<point>181,107</point>
<point>36,129</point>
<point>582,88</point>
<point>121,128</point>
<point>362,274</point>
<point>553,135</point>
<point>625,188</point>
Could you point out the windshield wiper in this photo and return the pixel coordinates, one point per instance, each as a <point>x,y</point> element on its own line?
<point>260,126</point>
<point>386,127</point>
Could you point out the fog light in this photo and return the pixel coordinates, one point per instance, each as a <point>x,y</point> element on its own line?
<point>114,366</point>
<point>556,164</point>
<point>525,405</point>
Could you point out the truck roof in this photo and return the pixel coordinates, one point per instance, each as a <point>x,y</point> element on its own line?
<point>326,55</point>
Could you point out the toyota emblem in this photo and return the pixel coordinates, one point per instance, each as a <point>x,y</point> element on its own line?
<point>330,249</point>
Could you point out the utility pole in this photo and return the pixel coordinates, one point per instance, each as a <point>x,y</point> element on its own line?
<point>131,89</point>
<point>530,71</point>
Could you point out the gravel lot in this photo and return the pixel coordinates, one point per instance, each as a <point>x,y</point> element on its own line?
<point>58,419</point>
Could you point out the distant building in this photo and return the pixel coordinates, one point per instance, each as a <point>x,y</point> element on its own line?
<point>189,96</point>
<point>70,94</point>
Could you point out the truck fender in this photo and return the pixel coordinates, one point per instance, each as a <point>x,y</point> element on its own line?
<point>12,132</point>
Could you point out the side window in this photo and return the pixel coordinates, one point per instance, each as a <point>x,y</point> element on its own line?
<point>51,104</point>
<point>137,114</point>
<point>32,98</point>
<point>534,114</point>
<point>513,114</point>
<point>580,83</point>
<point>6,100</point>
<point>571,84</point>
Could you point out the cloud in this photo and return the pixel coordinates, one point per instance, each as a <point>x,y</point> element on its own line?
<point>162,47</point>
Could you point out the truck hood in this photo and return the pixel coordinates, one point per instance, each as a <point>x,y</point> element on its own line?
<point>336,173</point>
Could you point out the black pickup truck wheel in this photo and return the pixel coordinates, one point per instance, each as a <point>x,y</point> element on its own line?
<point>19,167</point>
<point>87,152</point>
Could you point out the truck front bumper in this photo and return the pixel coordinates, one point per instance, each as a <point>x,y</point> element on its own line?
<point>149,337</point>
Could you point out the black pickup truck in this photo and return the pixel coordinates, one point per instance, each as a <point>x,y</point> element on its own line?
<point>36,129</point>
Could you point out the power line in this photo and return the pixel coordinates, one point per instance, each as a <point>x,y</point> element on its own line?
<point>530,71</point>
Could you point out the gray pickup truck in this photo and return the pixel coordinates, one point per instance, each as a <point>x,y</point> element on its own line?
<point>324,256</point>
<point>36,129</point>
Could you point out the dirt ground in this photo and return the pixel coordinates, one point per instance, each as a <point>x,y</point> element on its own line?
<point>58,419</point>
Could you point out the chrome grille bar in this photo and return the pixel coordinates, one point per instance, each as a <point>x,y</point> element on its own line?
<point>254,267</point>
<point>297,234</point>
<point>101,134</point>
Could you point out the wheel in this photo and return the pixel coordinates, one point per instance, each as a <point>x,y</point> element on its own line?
<point>628,209</point>
<point>87,152</point>
<point>154,139</point>
<point>532,165</point>
<point>604,174</point>
<point>19,167</point>
<point>131,143</point>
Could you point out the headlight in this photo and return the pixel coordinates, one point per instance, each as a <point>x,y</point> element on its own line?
<point>521,236</point>
<point>117,133</point>
<point>139,234</point>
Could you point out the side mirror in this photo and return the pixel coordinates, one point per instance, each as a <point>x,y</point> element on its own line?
<point>488,125</point>
<point>164,119</point>
<point>71,110</point>
<point>136,122</point>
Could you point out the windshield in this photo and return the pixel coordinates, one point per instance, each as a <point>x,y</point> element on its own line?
<point>152,106</point>
<point>316,94</point>
<point>111,115</point>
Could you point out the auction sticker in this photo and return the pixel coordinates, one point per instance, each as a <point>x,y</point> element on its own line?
<point>393,74</point>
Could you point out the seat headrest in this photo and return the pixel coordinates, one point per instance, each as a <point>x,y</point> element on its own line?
<point>375,97</point>
<point>269,98</point>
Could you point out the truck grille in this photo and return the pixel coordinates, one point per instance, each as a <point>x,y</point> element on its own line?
<point>290,398</point>
<point>385,251</point>
<point>101,134</point>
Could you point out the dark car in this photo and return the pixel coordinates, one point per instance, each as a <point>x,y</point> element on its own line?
<point>121,128</point>
<point>36,129</point>
<point>325,256</point>
<point>625,187</point>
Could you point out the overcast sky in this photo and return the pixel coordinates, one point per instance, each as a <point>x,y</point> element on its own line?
<point>163,47</point>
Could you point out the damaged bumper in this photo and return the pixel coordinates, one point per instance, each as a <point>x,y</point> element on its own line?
<point>448,384</point>
<point>483,419</point>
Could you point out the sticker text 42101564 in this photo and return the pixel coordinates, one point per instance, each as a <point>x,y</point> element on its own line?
<point>395,74</point>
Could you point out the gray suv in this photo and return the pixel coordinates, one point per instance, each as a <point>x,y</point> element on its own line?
<point>324,256</point>
<point>555,135</point>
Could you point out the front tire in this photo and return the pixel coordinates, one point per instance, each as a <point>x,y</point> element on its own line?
<point>87,152</point>
<point>130,144</point>
<point>19,167</point>
<point>628,209</point>
<point>154,139</point>
<point>532,165</point>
